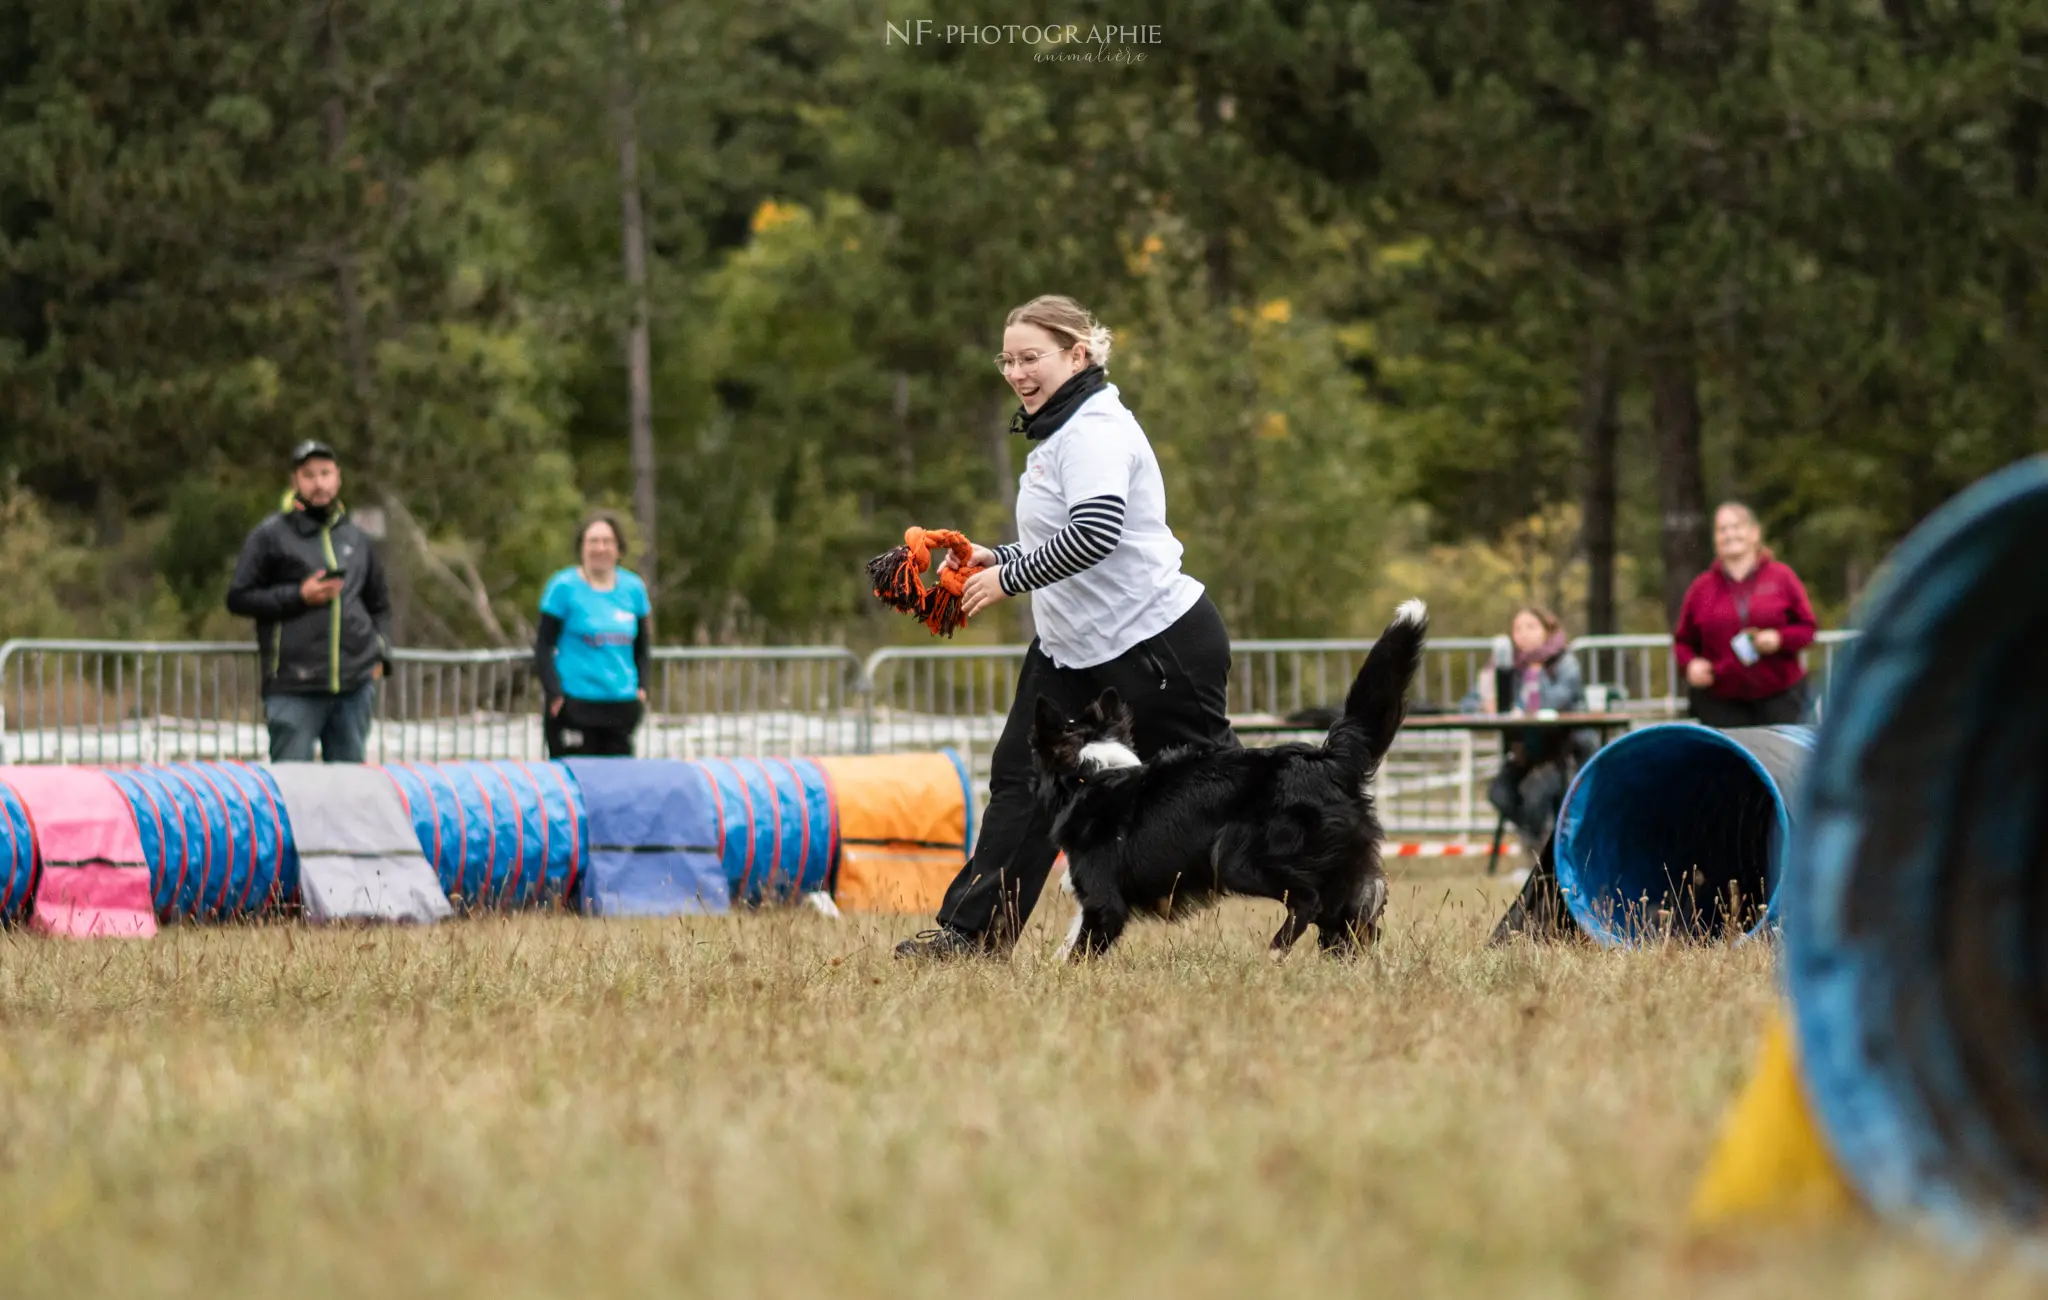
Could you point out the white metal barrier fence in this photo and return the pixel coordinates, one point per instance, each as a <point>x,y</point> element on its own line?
<point>703,702</point>
<point>166,702</point>
<point>150,702</point>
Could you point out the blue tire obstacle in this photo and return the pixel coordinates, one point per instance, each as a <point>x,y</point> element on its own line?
<point>1916,894</point>
<point>1679,830</point>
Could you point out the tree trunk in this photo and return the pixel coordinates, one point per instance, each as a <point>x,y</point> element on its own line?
<point>107,514</point>
<point>348,301</point>
<point>1681,491</point>
<point>633,235</point>
<point>1599,431</point>
<point>399,567</point>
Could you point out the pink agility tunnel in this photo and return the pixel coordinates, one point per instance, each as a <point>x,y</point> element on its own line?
<point>94,879</point>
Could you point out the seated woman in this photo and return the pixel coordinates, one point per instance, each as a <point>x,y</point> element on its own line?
<point>1537,765</point>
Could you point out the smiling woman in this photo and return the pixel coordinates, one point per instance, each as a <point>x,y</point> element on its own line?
<point>1741,629</point>
<point>595,646</point>
<point>1112,606</point>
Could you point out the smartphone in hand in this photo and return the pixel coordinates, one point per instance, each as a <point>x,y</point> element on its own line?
<point>1745,649</point>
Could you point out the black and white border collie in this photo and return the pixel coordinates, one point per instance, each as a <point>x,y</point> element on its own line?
<point>1290,822</point>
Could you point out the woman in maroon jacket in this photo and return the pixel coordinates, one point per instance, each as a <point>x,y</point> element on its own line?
<point>1741,629</point>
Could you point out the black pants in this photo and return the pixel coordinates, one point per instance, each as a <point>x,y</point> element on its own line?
<point>1529,796</point>
<point>1783,709</point>
<point>1175,686</point>
<point>592,728</point>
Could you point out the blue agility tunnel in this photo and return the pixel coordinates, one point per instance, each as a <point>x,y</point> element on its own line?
<point>17,856</point>
<point>1678,830</point>
<point>215,836</point>
<point>1916,894</point>
<point>656,838</point>
<point>780,836</point>
<point>809,825</point>
<point>498,834</point>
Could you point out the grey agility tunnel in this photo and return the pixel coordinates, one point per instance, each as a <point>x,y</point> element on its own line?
<point>1915,903</point>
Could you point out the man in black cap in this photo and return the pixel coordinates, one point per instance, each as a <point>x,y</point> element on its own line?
<point>311,580</point>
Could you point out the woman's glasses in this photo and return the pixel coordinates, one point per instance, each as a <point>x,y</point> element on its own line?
<point>1023,360</point>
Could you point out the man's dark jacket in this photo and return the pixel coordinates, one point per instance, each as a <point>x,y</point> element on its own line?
<point>312,649</point>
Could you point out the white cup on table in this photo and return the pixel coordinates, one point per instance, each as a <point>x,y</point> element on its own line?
<point>1596,697</point>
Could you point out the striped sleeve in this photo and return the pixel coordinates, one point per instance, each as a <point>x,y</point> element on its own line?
<point>1094,527</point>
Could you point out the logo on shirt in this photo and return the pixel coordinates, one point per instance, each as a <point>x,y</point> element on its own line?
<point>621,616</point>
<point>1037,471</point>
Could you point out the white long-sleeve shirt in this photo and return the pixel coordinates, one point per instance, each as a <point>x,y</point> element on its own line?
<point>1093,542</point>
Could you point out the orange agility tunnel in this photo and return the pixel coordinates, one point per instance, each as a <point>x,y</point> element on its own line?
<point>906,825</point>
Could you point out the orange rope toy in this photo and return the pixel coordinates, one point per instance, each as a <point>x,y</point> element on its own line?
<point>899,578</point>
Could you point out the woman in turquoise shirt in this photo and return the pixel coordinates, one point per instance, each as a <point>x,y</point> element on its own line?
<point>595,648</point>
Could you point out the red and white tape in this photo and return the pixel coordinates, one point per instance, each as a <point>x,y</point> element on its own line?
<point>1445,850</point>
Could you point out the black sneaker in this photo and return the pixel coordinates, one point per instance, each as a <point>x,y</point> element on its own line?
<point>942,944</point>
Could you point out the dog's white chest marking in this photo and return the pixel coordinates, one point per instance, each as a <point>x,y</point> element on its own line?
<point>1073,937</point>
<point>1074,930</point>
<point>1104,755</point>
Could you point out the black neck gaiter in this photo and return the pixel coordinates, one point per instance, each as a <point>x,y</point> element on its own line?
<point>1046,420</point>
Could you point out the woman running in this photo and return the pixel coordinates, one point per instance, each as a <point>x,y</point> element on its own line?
<point>1111,605</point>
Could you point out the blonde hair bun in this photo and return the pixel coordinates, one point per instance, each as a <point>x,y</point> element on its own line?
<point>1068,322</point>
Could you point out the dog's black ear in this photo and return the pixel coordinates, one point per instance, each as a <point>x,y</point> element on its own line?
<point>1106,707</point>
<point>1117,719</point>
<point>1051,719</point>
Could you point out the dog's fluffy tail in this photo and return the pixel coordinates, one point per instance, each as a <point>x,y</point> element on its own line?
<point>1379,697</point>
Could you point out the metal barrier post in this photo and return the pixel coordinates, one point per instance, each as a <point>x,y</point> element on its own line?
<point>1467,762</point>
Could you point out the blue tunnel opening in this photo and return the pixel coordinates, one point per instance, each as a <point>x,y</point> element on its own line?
<point>1676,831</point>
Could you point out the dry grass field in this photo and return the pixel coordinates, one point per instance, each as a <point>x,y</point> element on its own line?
<point>769,1106</point>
